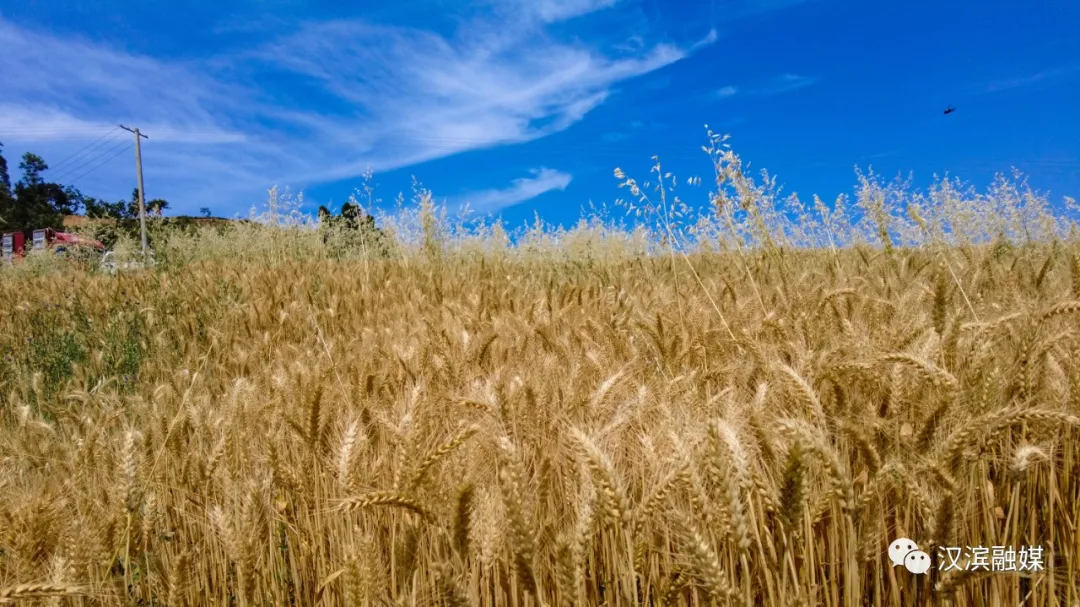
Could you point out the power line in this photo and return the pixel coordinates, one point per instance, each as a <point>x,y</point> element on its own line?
<point>73,132</point>
<point>58,165</point>
<point>78,167</point>
<point>95,167</point>
<point>87,160</point>
<point>89,154</point>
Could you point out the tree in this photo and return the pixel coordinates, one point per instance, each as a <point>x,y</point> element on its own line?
<point>132,211</point>
<point>131,208</point>
<point>156,206</point>
<point>6,199</point>
<point>205,212</point>
<point>350,211</point>
<point>353,229</point>
<point>123,209</point>
<point>32,167</point>
<point>38,203</point>
<point>99,209</point>
<point>5,179</point>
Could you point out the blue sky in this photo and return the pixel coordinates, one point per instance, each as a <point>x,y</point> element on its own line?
<point>522,106</point>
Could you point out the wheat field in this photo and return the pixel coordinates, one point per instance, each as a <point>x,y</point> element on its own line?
<point>747,426</point>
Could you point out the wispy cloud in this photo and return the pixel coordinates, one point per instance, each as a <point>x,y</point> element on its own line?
<point>520,190</point>
<point>784,83</point>
<point>388,97</point>
<point>43,124</point>
<point>550,11</point>
<point>65,76</point>
<point>727,91</point>
<point>414,96</point>
<point>623,135</point>
<point>1045,77</point>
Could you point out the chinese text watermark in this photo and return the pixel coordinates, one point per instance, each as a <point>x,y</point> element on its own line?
<point>905,552</point>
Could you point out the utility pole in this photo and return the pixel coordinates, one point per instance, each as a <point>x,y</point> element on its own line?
<point>142,201</point>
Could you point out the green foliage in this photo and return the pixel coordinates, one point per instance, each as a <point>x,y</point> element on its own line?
<point>51,338</point>
<point>5,186</point>
<point>100,209</point>
<point>157,206</point>
<point>158,229</point>
<point>122,347</point>
<point>44,339</point>
<point>352,232</point>
<point>53,346</point>
<point>36,203</point>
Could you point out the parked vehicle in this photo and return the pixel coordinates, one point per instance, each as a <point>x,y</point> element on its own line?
<point>111,266</point>
<point>14,243</point>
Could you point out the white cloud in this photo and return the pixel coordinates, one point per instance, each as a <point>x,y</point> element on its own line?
<point>530,14</point>
<point>727,91</point>
<point>788,82</point>
<point>442,96</point>
<point>709,38</point>
<point>1044,77</point>
<point>526,188</point>
<point>784,83</point>
<point>550,11</point>
<point>388,97</point>
<point>43,124</point>
<point>91,82</point>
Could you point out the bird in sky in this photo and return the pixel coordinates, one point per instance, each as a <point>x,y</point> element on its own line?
<point>950,109</point>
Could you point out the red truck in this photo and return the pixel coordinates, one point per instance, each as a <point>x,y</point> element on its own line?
<point>14,243</point>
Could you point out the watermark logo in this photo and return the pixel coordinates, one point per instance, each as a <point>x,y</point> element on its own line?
<point>905,552</point>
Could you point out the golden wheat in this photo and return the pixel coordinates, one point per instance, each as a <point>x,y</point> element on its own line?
<point>571,422</point>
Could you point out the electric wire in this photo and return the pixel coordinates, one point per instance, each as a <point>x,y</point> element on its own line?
<point>74,169</point>
<point>59,165</point>
<point>102,163</point>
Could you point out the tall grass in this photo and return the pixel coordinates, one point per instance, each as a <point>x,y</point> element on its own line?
<point>743,406</point>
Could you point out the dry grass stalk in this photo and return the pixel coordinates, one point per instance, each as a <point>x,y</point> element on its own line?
<point>27,592</point>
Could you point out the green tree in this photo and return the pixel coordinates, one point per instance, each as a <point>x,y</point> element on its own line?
<point>6,199</point>
<point>352,230</point>
<point>351,212</point>
<point>38,203</point>
<point>35,202</point>
<point>5,179</point>
<point>157,206</point>
<point>132,211</point>
<point>100,209</point>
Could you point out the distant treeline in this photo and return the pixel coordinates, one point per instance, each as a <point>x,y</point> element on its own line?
<point>34,202</point>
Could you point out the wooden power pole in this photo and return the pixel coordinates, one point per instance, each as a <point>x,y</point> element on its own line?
<point>142,200</point>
